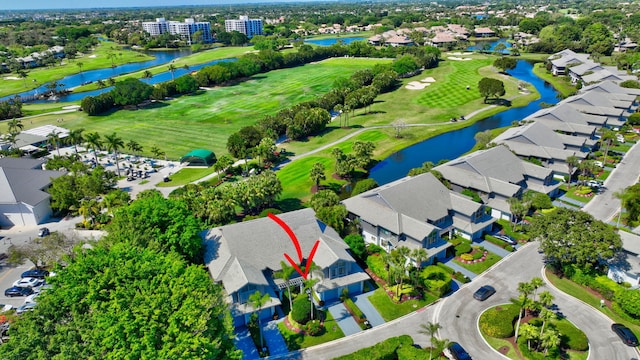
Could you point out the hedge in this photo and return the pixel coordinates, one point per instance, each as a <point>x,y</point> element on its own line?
<point>436,280</point>
<point>497,242</point>
<point>498,322</point>
<point>301,308</point>
<point>386,349</point>
<point>575,338</point>
<point>462,248</point>
<point>353,309</point>
<point>377,265</point>
<point>446,268</point>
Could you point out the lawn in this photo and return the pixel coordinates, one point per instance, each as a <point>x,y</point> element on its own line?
<point>571,194</point>
<point>297,341</point>
<point>390,310</point>
<point>97,59</point>
<point>560,83</point>
<point>480,267</point>
<point>185,176</point>
<point>206,120</point>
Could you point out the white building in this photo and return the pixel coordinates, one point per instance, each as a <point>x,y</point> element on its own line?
<point>244,25</point>
<point>185,29</point>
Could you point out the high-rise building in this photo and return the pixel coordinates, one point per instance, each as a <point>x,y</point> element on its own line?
<point>185,29</point>
<point>249,27</point>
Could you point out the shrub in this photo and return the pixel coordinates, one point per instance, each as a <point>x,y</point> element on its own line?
<point>605,286</point>
<point>436,280</point>
<point>508,247</point>
<point>629,301</point>
<point>472,194</point>
<point>356,243</point>
<point>584,190</point>
<point>461,277</point>
<point>374,249</point>
<point>462,249</point>
<point>572,337</point>
<point>301,308</point>
<point>455,241</point>
<point>498,322</point>
<point>444,267</point>
<point>377,265</point>
<point>477,255</point>
<point>466,257</point>
<point>383,350</point>
<point>314,328</point>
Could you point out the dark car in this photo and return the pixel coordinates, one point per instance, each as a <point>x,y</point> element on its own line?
<point>626,335</point>
<point>18,291</point>
<point>456,352</point>
<point>35,273</point>
<point>484,292</point>
<point>43,232</point>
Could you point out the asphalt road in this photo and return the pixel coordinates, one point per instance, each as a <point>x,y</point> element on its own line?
<point>604,206</point>
<point>458,315</point>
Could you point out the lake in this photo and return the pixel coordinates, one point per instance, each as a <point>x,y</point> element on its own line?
<point>479,46</point>
<point>331,41</point>
<point>453,144</point>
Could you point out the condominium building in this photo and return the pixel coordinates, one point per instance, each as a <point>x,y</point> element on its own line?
<point>244,25</point>
<point>185,29</point>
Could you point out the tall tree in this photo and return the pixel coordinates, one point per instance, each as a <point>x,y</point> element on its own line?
<point>147,75</point>
<point>285,274</point>
<point>15,126</point>
<point>258,300</point>
<point>172,69</point>
<point>430,329</point>
<point>572,164</point>
<point>317,174</point>
<point>491,87</point>
<point>575,237</point>
<point>607,138</point>
<point>134,147</point>
<point>114,144</point>
<point>75,138</point>
<point>94,142</point>
<point>53,138</point>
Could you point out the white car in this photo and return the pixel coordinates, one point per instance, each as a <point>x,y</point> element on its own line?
<point>31,299</point>
<point>28,282</point>
<point>5,308</point>
<point>24,308</point>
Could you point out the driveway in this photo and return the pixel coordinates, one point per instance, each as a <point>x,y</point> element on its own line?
<point>363,303</point>
<point>344,319</point>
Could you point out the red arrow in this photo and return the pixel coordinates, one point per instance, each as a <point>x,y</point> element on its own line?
<point>296,243</point>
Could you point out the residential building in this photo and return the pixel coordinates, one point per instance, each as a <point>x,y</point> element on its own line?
<point>537,142</point>
<point>417,212</point>
<point>568,120</point>
<point>244,25</point>
<point>245,256</point>
<point>23,200</point>
<point>626,267</point>
<point>484,32</point>
<point>564,59</point>
<point>496,175</point>
<point>185,29</point>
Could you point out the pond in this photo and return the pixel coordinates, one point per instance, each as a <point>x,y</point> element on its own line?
<point>331,41</point>
<point>453,144</point>
<point>480,45</point>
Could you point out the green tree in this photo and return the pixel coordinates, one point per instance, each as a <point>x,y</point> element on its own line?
<point>356,244</point>
<point>222,163</point>
<point>483,138</point>
<point>505,63</point>
<point>575,237</point>
<point>93,142</point>
<point>122,301</point>
<point>323,198</point>
<point>572,164</point>
<point>550,340</point>
<point>257,301</point>
<point>285,274</point>
<point>134,147</point>
<point>523,301</point>
<point>159,224</point>
<point>15,126</point>
<point>491,87</point>
<point>631,203</point>
<point>89,209</point>
<point>147,75</point>
<point>130,91</point>
<point>317,174</point>
<point>114,144</point>
<point>53,138</point>
<point>607,138</point>
<point>529,332</point>
<point>172,69</point>
<point>75,138</point>
<point>23,75</point>
<point>431,330</point>
<point>629,301</point>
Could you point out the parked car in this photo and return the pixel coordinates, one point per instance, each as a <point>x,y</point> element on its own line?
<point>456,352</point>
<point>5,308</point>
<point>28,282</point>
<point>43,232</point>
<point>32,299</point>
<point>35,273</point>
<point>625,334</point>
<point>18,291</point>
<point>507,239</point>
<point>25,307</point>
<point>484,292</point>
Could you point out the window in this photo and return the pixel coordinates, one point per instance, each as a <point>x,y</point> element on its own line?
<point>339,269</point>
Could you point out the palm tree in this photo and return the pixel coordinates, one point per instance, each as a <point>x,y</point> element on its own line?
<point>525,290</point>
<point>53,138</point>
<point>157,153</point>
<point>572,164</point>
<point>550,340</point>
<point>545,315</point>
<point>15,126</point>
<point>93,142</point>
<point>23,75</point>
<point>75,138</point>
<point>114,199</point>
<point>338,109</point>
<point>399,265</point>
<point>89,209</point>
<point>430,329</point>
<point>518,209</point>
<point>101,84</point>
<point>134,147</point>
<point>546,299</point>
<point>529,332</point>
<point>172,68</point>
<point>607,138</point>
<point>622,196</point>
<point>147,74</point>
<point>536,283</point>
<point>419,255</point>
<point>80,65</point>
<point>317,174</point>
<point>258,300</point>
<point>114,144</point>
<point>285,274</point>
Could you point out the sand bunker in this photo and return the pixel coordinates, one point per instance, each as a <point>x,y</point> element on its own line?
<point>71,107</point>
<point>458,58</point>
<point>92,56</point>
<point>428,80</point>
<point>11,78</point>
<point>460,53</point>
<point>417,85</point>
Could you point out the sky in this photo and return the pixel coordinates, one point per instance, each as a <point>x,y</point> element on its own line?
<point>83,4</point>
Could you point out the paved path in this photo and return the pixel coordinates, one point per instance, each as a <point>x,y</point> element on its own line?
<point>494,249</point>
<point>569,200</point>
<point>346,322</point>
<point>363,303</point>
<point>470,274</point>
<point>604,206</point>
<point>245,343</point>
<point>273,338</point>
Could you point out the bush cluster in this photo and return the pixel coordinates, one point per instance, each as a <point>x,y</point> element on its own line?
<point>314,328</point>
<point>301,308</point>
<point>498,322</point>
<point>377,265</point>
<point>574,337</point>
<point>386,349</point>
<point>436,280</point>
<point>462,248</point>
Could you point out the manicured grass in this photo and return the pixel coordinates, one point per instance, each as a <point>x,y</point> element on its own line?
<point>500,343</point>
<point>571,194</point>
<point>186,175</point>
<point>206,120</point>
<point>580,292</point>
<point>480,267</point>
<point>389,310</point>
<point>603,175</point>
<point>558,82</point>
<point>97,59</point>
<point>296,341</point>
<point>622,147</point>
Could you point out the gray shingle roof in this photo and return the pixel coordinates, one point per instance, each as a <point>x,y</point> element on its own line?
<point>570,127</point>
<point>21,163</point>
<point>567,113</point>
<point>20,183</point>
<point>243,253</point>
<point>611,87</point>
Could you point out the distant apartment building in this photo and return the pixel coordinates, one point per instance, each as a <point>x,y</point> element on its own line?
<point>244,25</point>
<point>185,29</point>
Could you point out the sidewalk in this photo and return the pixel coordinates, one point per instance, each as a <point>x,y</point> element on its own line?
<point>471,275</point>
<point>494,249</point>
